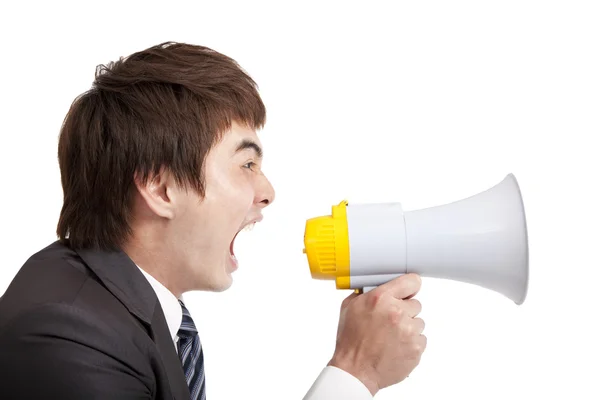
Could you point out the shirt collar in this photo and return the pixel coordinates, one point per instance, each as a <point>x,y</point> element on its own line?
<point>169,303</point>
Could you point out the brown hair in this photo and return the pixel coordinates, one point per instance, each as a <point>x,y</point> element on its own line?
<point>165,106</point>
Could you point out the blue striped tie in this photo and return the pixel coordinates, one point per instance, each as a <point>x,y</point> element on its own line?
<point>191,355</point>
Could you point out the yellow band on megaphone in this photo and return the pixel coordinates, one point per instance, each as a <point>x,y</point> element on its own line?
<point>327,247</point>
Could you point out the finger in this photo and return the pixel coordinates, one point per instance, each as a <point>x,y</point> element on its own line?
<point>402,287</point>
<point>421,342</point>
<point>348,299</point>
<point>412,307</point>
<point>410,296</point>
<point>418,326</point>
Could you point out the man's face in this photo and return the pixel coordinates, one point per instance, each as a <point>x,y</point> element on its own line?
<point>205,228</point>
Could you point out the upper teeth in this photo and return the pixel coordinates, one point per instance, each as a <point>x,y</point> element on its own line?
<point>249,227</point>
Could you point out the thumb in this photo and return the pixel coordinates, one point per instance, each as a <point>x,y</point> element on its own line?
<point>346,302</point>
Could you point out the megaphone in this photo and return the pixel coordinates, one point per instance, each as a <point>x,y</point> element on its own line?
<point>481,240</point>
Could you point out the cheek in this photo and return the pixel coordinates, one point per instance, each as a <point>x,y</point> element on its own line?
<point>231,199</point>
<point>248,191</point>
<point>241,197</point>
<point>230,190</point>
<point>239,190</point>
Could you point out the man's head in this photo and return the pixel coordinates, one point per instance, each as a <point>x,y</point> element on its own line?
<point>161,158</point>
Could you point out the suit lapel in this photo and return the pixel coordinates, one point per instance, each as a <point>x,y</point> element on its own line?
<point>166,348</point>
<point>126,282</point>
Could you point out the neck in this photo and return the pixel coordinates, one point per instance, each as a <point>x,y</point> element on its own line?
<point>151,256</point>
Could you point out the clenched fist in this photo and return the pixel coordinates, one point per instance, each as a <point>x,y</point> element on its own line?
<point>380,339</point>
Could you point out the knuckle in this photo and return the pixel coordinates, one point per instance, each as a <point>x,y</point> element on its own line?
<point>417,304</point>
<point>375,299</point>
<point>417,348</point>
<point>395,316</point>
<point>421,344</point>
<point>420,322</point>
<point>408,329</point>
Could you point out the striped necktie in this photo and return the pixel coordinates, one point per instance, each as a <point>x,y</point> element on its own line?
<point>191,355</point>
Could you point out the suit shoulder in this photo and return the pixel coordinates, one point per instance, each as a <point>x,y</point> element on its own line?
<point>57,253</point>
<point>54,274</point>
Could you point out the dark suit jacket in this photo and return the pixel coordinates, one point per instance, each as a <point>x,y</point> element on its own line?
<point>85,325</point>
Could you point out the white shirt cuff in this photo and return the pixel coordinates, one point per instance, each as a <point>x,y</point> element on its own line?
<point>334,383</point>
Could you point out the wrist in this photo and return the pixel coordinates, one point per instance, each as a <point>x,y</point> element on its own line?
<point>358,372</point>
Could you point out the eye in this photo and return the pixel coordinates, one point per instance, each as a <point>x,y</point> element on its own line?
<point>249,165</point>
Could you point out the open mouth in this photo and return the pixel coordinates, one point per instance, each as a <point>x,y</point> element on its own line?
<point>247,227</point>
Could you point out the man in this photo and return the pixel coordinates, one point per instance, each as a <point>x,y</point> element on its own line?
<point>161,168</point>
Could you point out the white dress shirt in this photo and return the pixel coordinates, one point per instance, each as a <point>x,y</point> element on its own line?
<point>331,384</point>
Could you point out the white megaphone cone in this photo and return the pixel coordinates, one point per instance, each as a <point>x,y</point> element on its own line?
<point>480,240</point>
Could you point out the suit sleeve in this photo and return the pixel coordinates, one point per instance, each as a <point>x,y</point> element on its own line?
<point>336,384</point>
<point>60,352</point>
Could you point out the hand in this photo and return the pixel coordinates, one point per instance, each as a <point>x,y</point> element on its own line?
<point>379,337</point>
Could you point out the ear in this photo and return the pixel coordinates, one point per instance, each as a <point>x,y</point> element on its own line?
<point>157,193</point>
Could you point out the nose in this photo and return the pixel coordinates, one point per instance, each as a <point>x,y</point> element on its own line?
<point>265,193</point>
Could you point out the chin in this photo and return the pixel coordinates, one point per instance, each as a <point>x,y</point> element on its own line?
<point>222,285</point>
<point>226,286</point>
<point>222,282</point>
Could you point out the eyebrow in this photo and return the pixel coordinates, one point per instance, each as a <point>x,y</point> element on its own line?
<point>249,144</point>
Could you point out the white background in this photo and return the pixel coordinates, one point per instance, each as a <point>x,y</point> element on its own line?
<point>421,102</point>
